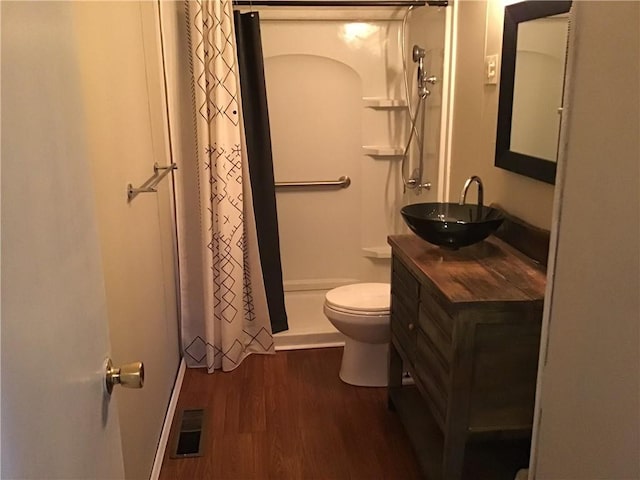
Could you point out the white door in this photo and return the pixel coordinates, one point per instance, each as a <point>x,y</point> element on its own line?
<point>56,420</point>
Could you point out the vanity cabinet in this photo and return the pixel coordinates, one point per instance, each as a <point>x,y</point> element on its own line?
<point>466,325</point>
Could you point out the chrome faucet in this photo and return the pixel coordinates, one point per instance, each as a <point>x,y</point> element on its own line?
<point>465,189</point>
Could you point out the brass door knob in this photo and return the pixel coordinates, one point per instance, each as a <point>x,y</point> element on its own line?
<point>130,375</point>
<point>411,326</point>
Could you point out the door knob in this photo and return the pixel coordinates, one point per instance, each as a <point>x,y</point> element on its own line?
<point>130,375</point>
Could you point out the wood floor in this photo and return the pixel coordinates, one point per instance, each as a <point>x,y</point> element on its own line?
<point>288,416</point>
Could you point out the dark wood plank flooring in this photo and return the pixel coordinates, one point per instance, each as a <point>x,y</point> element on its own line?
<point>289,416</point>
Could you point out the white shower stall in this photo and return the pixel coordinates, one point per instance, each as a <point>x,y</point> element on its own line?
<point>337,107</point>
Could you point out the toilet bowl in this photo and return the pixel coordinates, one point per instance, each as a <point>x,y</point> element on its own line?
<point>361,312</point>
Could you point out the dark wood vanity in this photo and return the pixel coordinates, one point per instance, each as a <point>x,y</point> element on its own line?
<point>466,325</point>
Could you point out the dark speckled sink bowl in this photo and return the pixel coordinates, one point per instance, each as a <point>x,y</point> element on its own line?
<point>451,225</point>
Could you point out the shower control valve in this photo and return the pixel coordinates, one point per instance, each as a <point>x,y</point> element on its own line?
<point>413,184</point>
<point>431,79</point>
<point>423,186</point>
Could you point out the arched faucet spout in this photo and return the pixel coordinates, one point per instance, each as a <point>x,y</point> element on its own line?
<point>465,189</point>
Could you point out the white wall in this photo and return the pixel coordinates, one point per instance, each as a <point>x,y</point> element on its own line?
<point>427,28</point>
<point>475,117</point>
<point>588,405</point>
<point>118,50</point>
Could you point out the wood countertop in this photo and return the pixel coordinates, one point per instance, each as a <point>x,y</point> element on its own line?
<point>489,272</point>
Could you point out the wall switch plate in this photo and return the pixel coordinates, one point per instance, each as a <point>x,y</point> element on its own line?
<point>491,69</point>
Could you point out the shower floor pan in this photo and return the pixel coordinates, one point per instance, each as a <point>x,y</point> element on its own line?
<point>308,326</point>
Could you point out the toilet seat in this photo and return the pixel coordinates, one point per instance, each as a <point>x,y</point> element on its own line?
<point>367,299</point>
<point>356,313</point>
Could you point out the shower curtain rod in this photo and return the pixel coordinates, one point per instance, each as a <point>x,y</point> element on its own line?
<point>339,3</point>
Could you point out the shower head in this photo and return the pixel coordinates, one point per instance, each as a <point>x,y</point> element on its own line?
<point>418,53</point>
<point>418,57</point>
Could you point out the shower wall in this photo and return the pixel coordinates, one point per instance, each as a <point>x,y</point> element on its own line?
<point>429,28</point>
<point>337,107</point>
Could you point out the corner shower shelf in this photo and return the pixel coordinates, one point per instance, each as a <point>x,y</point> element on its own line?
<point>382,151</point>
<point>383,251</point>
<point>377,102</point>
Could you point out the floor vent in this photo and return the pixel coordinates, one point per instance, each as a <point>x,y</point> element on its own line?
<point>189,434</point>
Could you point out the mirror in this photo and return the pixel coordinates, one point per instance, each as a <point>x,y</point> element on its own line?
<point>534,46</point>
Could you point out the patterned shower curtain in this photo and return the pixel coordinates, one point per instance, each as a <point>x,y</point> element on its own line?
<point>233,320</point>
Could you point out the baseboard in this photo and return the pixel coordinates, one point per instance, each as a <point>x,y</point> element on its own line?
<point>168,419</point>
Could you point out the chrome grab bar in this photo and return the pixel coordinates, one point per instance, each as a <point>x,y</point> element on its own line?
<point>342,182</point>
<point>150,186</point>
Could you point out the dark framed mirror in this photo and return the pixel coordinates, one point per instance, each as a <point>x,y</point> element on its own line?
<point>534,47</point>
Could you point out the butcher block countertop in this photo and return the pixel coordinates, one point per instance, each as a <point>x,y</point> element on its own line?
<point>488,273</point>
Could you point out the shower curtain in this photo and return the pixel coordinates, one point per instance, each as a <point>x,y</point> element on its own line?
<point>225,314</point>
<point>256,123</point>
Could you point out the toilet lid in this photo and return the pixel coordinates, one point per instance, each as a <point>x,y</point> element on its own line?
<point>361,297</point>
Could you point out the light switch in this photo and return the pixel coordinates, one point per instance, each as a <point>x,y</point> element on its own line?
<point>491,69</point>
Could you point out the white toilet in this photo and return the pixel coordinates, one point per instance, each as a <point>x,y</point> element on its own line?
<point>361,312</point>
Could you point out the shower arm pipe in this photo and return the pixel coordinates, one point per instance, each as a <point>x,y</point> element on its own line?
<point>343,182</point>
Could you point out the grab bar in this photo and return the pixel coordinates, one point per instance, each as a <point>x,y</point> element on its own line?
<point>342,182</point>
<point>150,186</point>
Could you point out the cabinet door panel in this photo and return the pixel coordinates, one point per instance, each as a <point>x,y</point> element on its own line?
<point>437,314</point>
<point>404,281</point>
<point>504,374</point>
<point>403,323</point>
<point>437,336</point>
<point>403,312</point>
<point>431,364</point>
<point>432,393</point>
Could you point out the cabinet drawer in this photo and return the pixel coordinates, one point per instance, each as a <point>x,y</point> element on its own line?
<point>403,282</point>
<point>438,337</point>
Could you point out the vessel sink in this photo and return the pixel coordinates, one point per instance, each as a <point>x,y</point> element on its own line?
<point>451,225</point>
